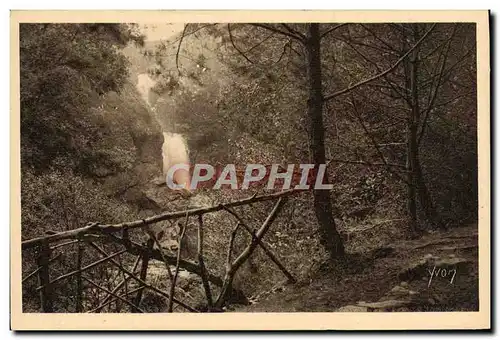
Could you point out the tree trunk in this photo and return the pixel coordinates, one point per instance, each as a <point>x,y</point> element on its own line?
<point>424,195</point>
<point>416,183</point>
<point>411,178</point>
<point>329,236</point>
<point>411,142</point>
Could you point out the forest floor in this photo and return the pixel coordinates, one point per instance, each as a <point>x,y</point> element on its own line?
<point>437,272</point>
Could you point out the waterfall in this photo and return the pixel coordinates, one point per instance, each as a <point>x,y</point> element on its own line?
<point>174,149</point>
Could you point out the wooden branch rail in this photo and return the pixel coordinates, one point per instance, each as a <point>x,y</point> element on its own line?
<point>129,273</point>
<point>113,298</point>
<point>112,228</point>
<point>107,233</point>
<point>44,278</point>
<point>33,273</point>
<point>92,265</point>
<point>174,279</point>
<point>144,271</point>
<point>201,263</point>
<point>138,249</point>
<point>228,279</point>
<point>79,283</point>
<point>113,294</point>
<point>261,243</point>
<point>118,286</point>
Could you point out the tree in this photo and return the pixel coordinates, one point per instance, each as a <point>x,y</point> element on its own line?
<point>64,69</point>
<point>322,202</point>
<point>308,47</point>
<point>417,86</point>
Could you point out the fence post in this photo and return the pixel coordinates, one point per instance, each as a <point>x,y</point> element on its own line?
<point>79,284</point>
<point>44,278</point>
<point>144,272</point>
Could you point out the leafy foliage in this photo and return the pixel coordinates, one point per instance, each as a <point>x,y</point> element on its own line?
<point>64,69</point>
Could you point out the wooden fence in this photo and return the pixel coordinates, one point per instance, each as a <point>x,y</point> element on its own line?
<point>46,251</point>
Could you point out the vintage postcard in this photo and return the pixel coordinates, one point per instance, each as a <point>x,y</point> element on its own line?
<point>250,170</point>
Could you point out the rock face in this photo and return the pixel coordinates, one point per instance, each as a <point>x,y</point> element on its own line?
<point>134,138</point>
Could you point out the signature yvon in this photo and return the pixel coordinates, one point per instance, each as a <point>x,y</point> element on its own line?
<point>442,272</point>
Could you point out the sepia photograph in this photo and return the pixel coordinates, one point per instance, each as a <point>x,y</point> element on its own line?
<point>309,166</point>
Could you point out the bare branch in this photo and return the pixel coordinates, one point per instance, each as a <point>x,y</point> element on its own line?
<point>292,31</point>
<point>143,273</point>
<point>63,244</point>
<point>391,85</point>
<point>379,75</point>
<point>179,48</point>
<point>387,45</point>
<point>112,299</point>
<point>191,33</point>
<point>33,273</point>
<point>283,52</point>
<point>433,94</point>
<point>236,47</point>
<point>260,42</point>
<point>276,30</point>
<point>164,258</point>
<point>374,142</point>
<point>449,69</point>
<point>335,160</point>
<point>334,28</point>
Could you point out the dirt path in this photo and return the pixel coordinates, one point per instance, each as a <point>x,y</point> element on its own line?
<point>399,281</point>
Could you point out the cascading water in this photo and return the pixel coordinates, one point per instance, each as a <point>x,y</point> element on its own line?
<point>174,149</point>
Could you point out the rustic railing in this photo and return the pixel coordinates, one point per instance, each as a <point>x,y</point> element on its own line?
<point>118,235</point>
